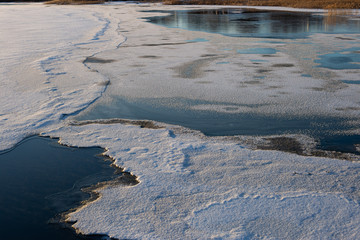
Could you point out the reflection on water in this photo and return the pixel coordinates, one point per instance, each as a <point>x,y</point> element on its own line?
<point>257,23</point>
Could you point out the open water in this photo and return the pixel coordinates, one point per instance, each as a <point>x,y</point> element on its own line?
<point>39,179</point>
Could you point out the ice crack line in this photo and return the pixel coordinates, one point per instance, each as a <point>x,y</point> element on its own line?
<point>53,66</point>
<point>104,29</point>
<point>106,79</point>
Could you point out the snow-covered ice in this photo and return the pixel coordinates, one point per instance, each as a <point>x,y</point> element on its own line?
<point>191,186</point>
<point>42,74</point>
<point>168,64</point>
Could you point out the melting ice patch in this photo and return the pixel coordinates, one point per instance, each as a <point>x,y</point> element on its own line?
<point>351,81</point>
<point>198,40</point>
<point>258,51</point>
<point>344,59</point>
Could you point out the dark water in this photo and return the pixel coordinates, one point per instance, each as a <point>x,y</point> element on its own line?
<point>227,124</point>
<point>257,23</point>
<point>40,179</point>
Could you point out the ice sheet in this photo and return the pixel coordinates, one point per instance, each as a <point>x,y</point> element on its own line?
<point>165,63</point>
<point>191,186</point>
<point>42,73</point>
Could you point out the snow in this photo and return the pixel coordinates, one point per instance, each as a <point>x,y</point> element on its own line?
<point>41,69</point>
<point>274,85</point>
<point>191,186</point>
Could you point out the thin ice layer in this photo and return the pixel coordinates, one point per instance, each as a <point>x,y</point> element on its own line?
<point>273,77</point>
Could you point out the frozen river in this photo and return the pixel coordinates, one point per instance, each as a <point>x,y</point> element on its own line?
<point>75,72</point>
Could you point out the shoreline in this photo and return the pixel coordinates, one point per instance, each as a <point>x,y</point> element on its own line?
<point>327,5</point>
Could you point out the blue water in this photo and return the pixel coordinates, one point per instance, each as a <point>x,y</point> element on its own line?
<point>258,60</point>
<point>256,23</point>
<point>40,179</point>
<point>351,81</point>
<point>306,75</point>
<point>198,40</point>
<point>257,51</point>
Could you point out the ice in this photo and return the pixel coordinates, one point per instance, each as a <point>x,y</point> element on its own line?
<point>42,74</point>
<point>166,64</point>
<point>191,186</point>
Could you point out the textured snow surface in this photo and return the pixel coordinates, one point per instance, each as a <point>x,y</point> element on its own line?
<point>191,186</point>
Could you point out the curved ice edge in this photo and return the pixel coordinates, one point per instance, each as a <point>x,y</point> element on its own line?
<point>299,144</point>
<point>63,219</point>
<point>96,38</point>
<point>107,81</point>
<point>24,139</point>
<point>125,179</point>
